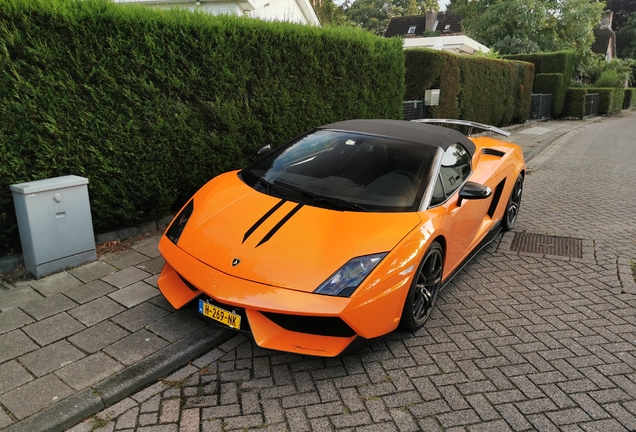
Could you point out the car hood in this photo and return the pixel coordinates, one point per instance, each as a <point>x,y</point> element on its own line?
<point>282,243</point>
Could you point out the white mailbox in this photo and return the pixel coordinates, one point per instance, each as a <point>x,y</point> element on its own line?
<point>54,219</point>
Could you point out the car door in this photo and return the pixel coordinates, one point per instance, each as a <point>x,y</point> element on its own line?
<point>454,171</point>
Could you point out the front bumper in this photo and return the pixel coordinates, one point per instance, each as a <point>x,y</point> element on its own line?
<point>281,318</point>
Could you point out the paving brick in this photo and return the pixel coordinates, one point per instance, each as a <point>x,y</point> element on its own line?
<point>176,326</point>
<point>12,319</point>
<point>126,259</point>
<point>12,375</point>
<point>54,284</point>
<point>95,311</point>
<point>154,265</point>
<point>92,271</point>
<point>125,277</point>
<point>134,294</point>
<point>54,328</point>
<point>135,347</point>
<point>34,396</point>
<point>17,297</point>
<point>50,358</point>
<point>89,291</point>
<point>44,308</point>
<point>140,316</point>
<point>14,344</point>
<point>98,337</point>
<point>89,371</point>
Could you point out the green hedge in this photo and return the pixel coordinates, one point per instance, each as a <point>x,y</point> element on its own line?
<point>630,98</point>
<point>611,99</point>
<point>149,104</point>
<point>551,83</point>
<point>561,62</point>
<point>495,92</point>
<point>575,103</point>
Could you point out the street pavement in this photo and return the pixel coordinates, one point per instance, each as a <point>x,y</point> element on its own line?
<point>519,340</point>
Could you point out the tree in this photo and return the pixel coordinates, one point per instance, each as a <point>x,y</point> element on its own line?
<point>521,26</point>
<point>628,35</point>
<point>329,13</point>
<point>372,15</point>
<point>622,10</point>
<point>416,7</point>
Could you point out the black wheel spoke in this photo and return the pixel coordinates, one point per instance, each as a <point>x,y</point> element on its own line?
<point>429,281</point>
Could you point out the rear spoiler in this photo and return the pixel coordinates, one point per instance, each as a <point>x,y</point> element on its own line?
<point>470,124</point>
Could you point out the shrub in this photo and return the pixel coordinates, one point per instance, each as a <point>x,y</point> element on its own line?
<point>610,78</point>
<point>149,104</point>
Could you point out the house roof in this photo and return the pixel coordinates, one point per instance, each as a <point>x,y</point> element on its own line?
<point>447,24</point>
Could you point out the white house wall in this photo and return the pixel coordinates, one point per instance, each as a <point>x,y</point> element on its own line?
<point>279,10</point>
<point>274,10</point>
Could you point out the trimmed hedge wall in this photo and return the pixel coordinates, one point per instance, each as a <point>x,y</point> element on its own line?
<point>490,91</point>
<point>561,62</point>
<point>150,104</point>
<point>551,83</point>
<point>630,98</point>
<point>575,102</point>
<point>612,100</point>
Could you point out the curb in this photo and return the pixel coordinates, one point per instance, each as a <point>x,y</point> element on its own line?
<point>89,401</point>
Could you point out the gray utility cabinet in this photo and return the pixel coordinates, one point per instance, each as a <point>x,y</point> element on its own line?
<point>56,228</point>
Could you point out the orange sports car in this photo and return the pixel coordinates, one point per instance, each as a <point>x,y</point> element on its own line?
<point>345,233</point>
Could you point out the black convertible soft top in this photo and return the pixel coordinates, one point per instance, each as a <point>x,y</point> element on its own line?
<point>420,133</point>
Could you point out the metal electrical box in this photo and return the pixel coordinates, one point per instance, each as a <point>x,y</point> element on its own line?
<point>431,97</point>
<point>54,219</point>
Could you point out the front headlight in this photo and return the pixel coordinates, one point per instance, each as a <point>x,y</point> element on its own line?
<point>175,230</point>
<point>345,281</point>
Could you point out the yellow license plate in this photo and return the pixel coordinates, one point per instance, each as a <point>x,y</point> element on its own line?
<point>221,315</point>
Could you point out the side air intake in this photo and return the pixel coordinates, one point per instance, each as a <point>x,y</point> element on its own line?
<point>492,152</point>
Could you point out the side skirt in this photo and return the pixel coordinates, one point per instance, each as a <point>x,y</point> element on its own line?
<point>492,234</point>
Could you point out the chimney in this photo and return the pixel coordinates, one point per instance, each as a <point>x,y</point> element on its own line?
<point>431,18</point>
<point>606,20</point>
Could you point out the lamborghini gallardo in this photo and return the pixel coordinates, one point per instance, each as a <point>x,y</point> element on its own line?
<point>344,234</point>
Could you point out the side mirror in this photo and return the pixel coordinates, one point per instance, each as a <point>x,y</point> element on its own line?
<point>264,150</point>
<point>472,190</point>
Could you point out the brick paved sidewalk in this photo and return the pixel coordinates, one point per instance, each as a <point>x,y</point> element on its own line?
<point>80,334</point>
<point>80,340</point>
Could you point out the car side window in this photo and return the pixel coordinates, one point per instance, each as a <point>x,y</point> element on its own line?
<point>438,192</point>
<point>455,168</point>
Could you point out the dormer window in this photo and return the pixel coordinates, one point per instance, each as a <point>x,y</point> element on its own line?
<point>411,30</point>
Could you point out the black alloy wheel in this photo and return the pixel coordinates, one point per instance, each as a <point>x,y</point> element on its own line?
<point>424,290</point>
<point>514,203</point>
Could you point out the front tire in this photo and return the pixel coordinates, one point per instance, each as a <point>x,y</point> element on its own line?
<point>424,290</point>
<point>514,203</point>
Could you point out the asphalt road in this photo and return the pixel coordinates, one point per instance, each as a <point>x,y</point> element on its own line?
<point>519,341</point>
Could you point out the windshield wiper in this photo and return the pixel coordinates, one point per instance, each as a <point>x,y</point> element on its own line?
<point>317,197</point>
<point>261,180</point>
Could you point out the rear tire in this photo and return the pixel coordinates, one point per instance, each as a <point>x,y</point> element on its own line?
<point>424,289</point>
<point>514,203</point>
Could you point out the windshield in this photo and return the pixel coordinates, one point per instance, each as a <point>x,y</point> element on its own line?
<point>328,168</point>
